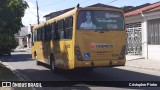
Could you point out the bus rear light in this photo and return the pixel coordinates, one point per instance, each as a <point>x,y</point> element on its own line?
<point>77,52</point>
<point>123,53</point>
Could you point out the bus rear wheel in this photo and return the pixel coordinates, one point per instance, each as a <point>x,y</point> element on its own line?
<point>52,64</point>
<point>36,58</point>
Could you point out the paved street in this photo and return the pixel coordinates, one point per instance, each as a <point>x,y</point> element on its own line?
<point>21,62</point>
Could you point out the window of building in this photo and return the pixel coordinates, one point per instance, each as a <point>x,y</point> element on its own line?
<point>154,32</point>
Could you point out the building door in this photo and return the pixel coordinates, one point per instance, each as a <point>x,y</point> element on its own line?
<point>134,38</point>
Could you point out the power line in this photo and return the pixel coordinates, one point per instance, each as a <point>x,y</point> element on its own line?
<point>84,1</point>
<point>31,12</point>
<point>111,1</point>
<point>52,4</point>
<point>64,0</point>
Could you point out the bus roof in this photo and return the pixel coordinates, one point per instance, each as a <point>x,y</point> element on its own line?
<point>72,12</point>
<point>69,13</point>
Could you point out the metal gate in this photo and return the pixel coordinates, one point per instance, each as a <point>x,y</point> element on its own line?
<point>134,38</point>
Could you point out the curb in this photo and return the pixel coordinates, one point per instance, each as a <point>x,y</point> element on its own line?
<point>24,49</point>
<point>135,59</point>
<point>17,73</point>
<point>150,68</point>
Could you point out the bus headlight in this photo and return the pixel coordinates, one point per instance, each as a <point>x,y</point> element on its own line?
<point>123,53</point>
<point>78,53</point>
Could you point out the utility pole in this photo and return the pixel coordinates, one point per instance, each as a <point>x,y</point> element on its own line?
<point>37,13</point>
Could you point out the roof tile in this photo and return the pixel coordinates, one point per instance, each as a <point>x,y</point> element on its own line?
<point>152,7</point>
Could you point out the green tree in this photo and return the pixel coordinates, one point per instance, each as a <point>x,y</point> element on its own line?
<point>11,13</point>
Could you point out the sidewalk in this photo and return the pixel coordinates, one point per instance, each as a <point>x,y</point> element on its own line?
<point>22,50</point>
<point>140,62</point>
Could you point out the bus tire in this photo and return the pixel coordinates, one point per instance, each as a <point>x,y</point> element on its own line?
<point>52,64</point>
<point>37,62</point>
<point>36,59</point>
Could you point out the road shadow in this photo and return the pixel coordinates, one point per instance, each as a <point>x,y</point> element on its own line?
<point>49,88</point>
<point>16,57</point>
<point>64,88</point>
<point>99,77</point>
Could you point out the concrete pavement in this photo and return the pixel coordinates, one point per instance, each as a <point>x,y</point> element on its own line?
<point>140,62</point>
<point>22,50</point>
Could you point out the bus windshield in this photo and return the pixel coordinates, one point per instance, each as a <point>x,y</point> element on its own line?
<point>100,19</point>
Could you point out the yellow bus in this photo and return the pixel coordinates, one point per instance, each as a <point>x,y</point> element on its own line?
<point>81,38</point>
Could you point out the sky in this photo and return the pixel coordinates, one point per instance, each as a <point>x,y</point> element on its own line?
<point>48,6</point>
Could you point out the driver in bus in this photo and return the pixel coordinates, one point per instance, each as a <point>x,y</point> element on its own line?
<point>88,24</point>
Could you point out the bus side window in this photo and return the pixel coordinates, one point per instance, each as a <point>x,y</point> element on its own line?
<point>43,34</point>
<point>52,34</point>
<point>35,36</point>
<point>60,28</point>
<point>68,27</point>
<point>39,34</point>
<point>47,32</point>
<point>32,40</point>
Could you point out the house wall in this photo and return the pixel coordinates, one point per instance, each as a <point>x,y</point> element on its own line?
<point>148,51</point>
<point>153,50</point>
<point>133,19</point>
<point>21,36</point>
<point>29,38</point>
<point>144,38</point>
<point>21,41</point>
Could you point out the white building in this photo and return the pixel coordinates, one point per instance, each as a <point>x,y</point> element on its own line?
<point>29,35</point>
<point>21,37</point>
<point>143,31</point>
<point>24,37</point>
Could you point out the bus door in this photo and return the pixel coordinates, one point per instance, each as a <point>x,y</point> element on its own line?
<point>40,45</point>
<point>34,39</point>
<point>46,43</point>
<point>65,28</point>
<point>68,43</point>
<point>59,54</point>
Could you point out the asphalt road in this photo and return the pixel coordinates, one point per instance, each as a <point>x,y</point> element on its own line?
<point>22,62</point>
